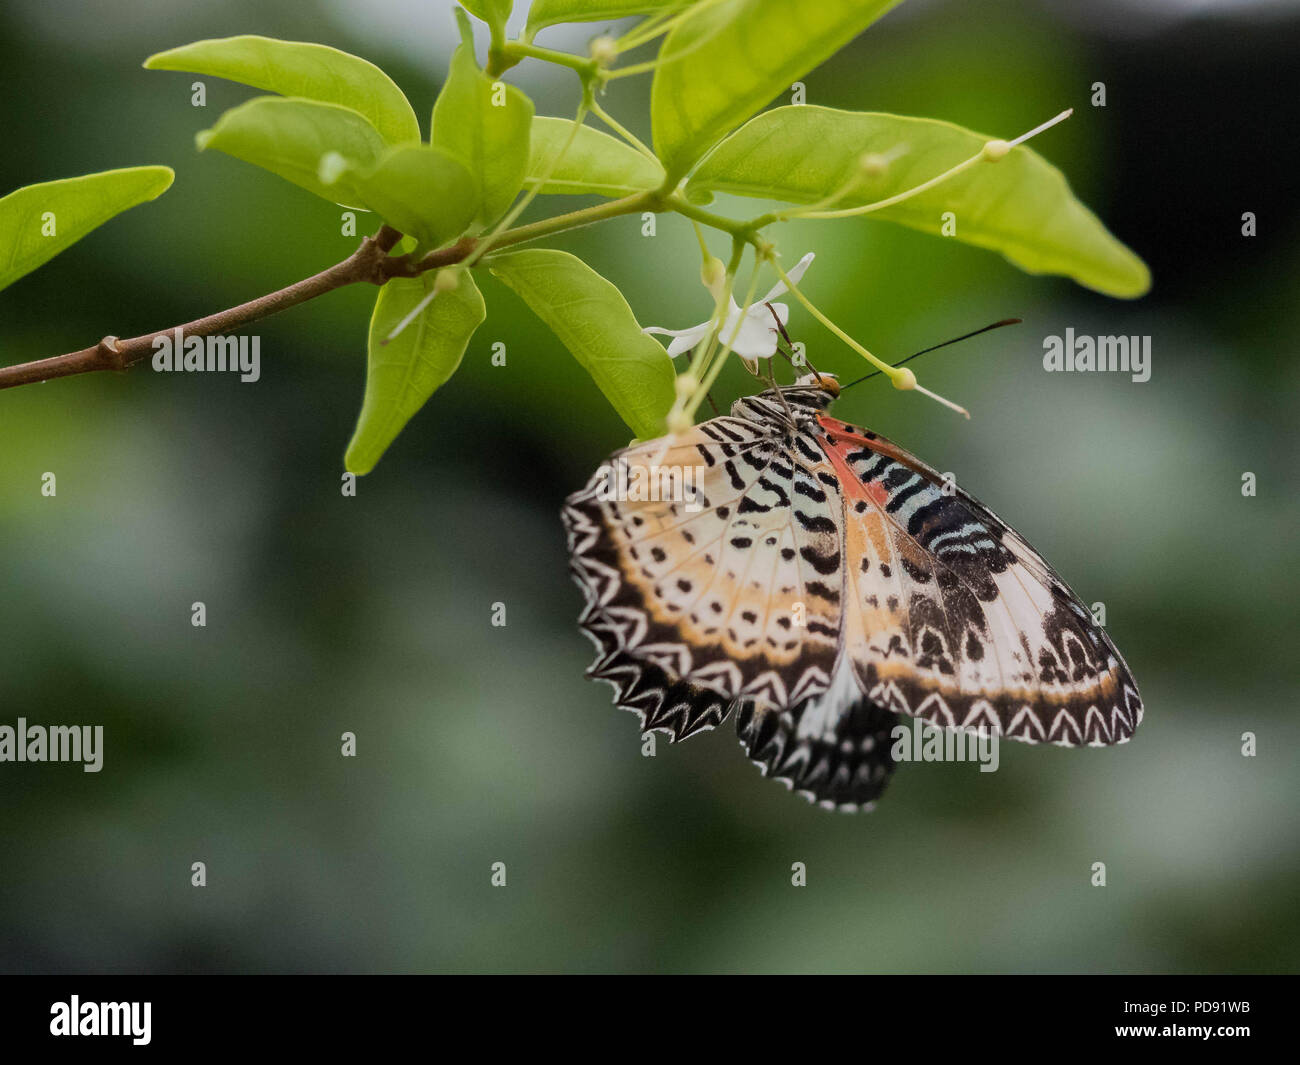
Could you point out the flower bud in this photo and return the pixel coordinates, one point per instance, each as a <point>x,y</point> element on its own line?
<point>713,273</point>
<point>604,50</point>
<point>995,150</point>
<point>903,378</point>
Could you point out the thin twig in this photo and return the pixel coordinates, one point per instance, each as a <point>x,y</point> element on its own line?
<point>367,263</point>
<point>371,263</point>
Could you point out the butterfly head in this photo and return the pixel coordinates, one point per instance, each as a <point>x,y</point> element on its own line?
<point>808,396</point>
<point>827,383</point>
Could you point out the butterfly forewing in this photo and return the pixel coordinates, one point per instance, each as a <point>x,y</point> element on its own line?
<point>966,625</point>
<point>734,590</point>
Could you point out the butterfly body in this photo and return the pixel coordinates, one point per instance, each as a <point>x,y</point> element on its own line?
<point>823,585</point>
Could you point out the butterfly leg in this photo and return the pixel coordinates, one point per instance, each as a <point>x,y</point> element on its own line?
<point>771,377</point>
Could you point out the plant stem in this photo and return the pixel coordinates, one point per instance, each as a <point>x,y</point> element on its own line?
<point>618,128</point>
<point>744,231</point>
<point>992,151</point>
<point>517,50</point>
<point>365,264</point>
<point>648,29</point>
<point>720,357</point>
<point>485,243</point>
<point>370,263</point>
<point>851,212</point>
<point>546,227</point>
<point>884,367</point>
<point>488,242</point>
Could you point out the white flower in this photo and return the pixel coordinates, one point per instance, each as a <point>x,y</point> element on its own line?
<point>758,333</point>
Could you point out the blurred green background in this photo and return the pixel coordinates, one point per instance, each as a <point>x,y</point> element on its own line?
<point>479,744</point>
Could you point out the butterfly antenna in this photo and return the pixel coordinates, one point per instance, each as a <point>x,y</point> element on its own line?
<point>786,355</point>
<point>780,326</point>
<point>936,347</point>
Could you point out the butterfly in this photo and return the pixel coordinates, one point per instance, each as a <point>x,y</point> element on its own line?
<point>822,586</point>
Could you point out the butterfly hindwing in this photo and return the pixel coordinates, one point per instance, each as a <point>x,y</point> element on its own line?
<point>838,756</point>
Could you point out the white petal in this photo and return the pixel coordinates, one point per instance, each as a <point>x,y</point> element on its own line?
<point>734,324</point>
<point>673,332</point>
<point>687,340</point>
<point>733,319</point>
<point>684,339</point>
<point>794,274</point>
<point>756,339</point>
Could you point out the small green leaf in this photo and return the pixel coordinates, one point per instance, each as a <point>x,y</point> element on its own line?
<point>595,323</point>
<point>594,163</point>
<point>726,61</point>
<point>402,374</point>
<point>39,221</point>
<point>417,189</point>
<point>486,125</point>
<point>289,137</point>
<point>493,12</point>
<point>545,13</point>
<point>293,68</point>
<point>1020,205</point>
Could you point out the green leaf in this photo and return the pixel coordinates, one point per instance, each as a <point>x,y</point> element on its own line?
<point>493,12</point>
<point>402,374</point>
<point>39,221</point>
<point>486,125</point>
<point>416,188</point>
<point>1020,205</point>
<point>725,62</point>
<point>595,323</point>
<point>289,137</point>
<point>545,13</point>
<point>293,68</point>
<point>594,163</point>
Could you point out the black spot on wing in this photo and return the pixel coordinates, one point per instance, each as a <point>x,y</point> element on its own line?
<point>823,564</point>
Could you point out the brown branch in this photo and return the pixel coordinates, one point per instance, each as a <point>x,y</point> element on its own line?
<point>369,263</point>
